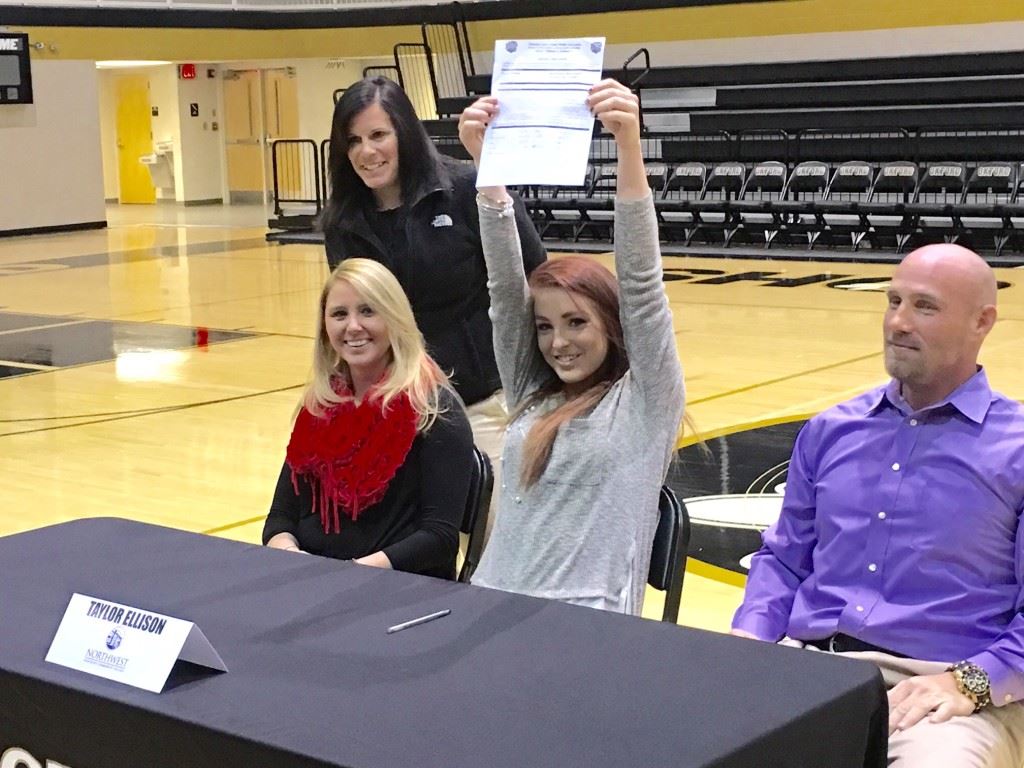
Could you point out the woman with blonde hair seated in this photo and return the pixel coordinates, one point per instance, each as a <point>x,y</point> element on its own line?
<point>379,463</point>
<point>589,365</point>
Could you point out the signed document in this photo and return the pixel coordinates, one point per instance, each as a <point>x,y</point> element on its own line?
<point>543,130</point>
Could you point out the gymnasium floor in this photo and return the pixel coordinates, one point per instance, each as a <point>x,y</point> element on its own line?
<point>150,370</point>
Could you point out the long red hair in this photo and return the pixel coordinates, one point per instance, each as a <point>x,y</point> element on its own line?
<point>584,277</point>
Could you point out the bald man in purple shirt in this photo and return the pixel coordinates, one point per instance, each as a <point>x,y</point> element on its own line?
<point>900,537</point>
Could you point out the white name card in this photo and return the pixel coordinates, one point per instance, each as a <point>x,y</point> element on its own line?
<point>127,644</point>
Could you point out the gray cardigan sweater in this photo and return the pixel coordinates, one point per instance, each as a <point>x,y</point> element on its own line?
<point>583,532</point>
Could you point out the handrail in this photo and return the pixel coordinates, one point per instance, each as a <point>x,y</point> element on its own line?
<point>424,50</point>
<point>635,83</point>
<point>325,173</point>
<point>384,71</point>
<point>647,67</point>
<point>290,173</point>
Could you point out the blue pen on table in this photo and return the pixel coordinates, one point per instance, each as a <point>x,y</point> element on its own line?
<point>420,620</point>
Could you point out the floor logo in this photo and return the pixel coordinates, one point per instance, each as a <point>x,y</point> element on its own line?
<point>733,491</point>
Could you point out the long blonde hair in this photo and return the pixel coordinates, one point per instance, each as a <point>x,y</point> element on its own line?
<point>411,370</point>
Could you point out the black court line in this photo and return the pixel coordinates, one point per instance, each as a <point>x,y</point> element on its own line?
<point>780,379</point>
<point>238,524</point>
<point>151,411</point>
<point>114,258</point>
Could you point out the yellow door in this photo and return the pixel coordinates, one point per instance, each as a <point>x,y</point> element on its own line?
<point>134,139</point>
<point>243,135</point>
<point>281,118</point>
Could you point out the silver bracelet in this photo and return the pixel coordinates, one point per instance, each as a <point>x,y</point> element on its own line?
<point>501,207</point>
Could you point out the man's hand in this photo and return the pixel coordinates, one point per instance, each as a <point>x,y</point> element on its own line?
<point>912,699</point>
<point>743,633</point>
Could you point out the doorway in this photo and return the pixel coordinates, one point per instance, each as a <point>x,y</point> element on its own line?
<point>260,105</point>
<point>134,139</point>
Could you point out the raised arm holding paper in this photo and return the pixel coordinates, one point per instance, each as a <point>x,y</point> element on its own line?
<point>588,362</point>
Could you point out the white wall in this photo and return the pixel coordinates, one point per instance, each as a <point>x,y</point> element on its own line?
<point>166,124</point>
<point>108,135</point>
<point>199,152</point>
<point>198,148</point>
<point>52,167</point>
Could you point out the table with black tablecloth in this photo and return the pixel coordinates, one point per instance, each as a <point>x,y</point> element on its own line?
<point>315,680</point>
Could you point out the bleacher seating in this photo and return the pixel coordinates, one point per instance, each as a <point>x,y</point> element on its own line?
<point>799,209</point>
<point>991,187</point>
<point>876,154</point>
<point>840,210</point>
<point>684,184</point>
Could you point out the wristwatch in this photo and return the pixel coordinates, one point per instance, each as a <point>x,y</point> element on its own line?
<point>973,682</point>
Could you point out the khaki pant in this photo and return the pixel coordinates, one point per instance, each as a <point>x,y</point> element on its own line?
<point>992,738</point>
<point>489,419</point>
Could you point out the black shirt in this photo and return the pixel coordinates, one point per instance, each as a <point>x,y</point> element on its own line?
<point>432,245</point>
<point>416,524</point>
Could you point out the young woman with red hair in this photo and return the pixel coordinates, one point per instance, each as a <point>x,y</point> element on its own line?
<point>590,369</point>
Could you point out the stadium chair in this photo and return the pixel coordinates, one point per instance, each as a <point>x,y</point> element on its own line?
<point>984,207</point>
<point>1015,212</point>
<point>474,517</point>
<point>557,213</point>
<point>683,187</point>
<point>714,211</point>
<point>765,185</point>
<point>892,191</point>
<point>934,210</point>
<point>849,188</point>
<point>807,186</point>
<point>597,210</point>
<point>668,553</point>
<point>657,175</point>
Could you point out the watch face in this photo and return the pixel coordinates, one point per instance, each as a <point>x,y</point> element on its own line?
<point>975,680</point>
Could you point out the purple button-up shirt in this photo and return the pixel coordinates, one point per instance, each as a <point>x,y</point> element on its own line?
<point>902,528</point>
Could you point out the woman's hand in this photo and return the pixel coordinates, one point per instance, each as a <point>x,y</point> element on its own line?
<point>473,124</point>
<point>618,109</point>
<point>284,541</point>
<point>375,560</point>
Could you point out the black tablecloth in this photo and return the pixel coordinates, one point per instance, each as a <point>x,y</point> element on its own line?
<point>505,680</point>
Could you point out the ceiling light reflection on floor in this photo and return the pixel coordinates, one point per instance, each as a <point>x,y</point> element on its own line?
<point>149,365</point>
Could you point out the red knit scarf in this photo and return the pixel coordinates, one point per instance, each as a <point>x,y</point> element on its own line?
<point>350,454</point>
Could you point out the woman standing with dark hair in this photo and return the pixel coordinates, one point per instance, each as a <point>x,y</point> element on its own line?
<point>396,200</point>
<point>589,364</point>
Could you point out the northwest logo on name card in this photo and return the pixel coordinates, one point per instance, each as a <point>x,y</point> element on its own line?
<point>113,639</point>
<point>511,46</point>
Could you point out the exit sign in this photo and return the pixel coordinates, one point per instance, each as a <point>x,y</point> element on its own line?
<point>187,71</point>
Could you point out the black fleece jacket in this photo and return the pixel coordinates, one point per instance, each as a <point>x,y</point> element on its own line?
<point>443,273</point>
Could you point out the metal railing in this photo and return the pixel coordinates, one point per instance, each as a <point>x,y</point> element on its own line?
<point>415,63</point>
<point>296,170</point>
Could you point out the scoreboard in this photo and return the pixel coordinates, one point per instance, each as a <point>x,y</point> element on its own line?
<point>15,69</point>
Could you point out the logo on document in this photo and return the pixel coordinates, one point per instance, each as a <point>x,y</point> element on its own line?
<point>595,47</point>
<point>511,46</point>
<point>442,220</point>
<point>113,639</point>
